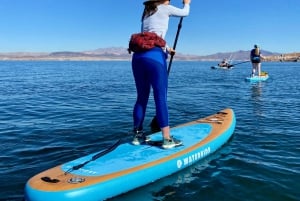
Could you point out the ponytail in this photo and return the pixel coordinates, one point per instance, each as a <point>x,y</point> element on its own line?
<point>151,8</point>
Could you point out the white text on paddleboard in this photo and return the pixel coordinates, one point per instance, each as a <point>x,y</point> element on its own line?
<point>190,159</point>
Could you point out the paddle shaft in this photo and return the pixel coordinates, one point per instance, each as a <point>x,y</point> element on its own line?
<point>239,63</point>
<point>175,44</point>
<point>154,124</point>
<point>96,156</point>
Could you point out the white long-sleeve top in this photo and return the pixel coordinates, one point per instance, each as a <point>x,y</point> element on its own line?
<point>159,21</point>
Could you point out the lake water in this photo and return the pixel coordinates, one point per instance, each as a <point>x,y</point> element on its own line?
<point>54,112</point>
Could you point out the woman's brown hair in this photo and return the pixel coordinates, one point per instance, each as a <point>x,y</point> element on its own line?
<point>151,8</point>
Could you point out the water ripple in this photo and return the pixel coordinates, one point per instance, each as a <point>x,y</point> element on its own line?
<point>53,112</point>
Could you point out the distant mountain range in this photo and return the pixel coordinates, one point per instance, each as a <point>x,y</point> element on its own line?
<point>121,53</point>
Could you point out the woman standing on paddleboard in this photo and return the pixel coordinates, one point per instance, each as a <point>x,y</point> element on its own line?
<point>150,69</point>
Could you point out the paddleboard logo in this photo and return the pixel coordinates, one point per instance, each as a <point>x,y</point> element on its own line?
<point>192,158</point>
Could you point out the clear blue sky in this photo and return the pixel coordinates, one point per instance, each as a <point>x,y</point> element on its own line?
<point>213,25</point>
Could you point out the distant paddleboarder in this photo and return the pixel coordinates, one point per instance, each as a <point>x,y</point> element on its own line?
<point>255,58</point>
<point>224,63</point>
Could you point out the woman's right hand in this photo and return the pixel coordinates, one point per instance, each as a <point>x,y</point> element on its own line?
<point>186,1</point>
<point>171,51</point>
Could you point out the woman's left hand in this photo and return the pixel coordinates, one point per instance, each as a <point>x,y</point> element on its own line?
<point>171,51</point>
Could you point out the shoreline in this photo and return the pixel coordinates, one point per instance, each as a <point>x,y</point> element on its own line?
<point>121,55</point>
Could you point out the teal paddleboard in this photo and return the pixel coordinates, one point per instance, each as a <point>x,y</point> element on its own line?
<point>256,78</point>
<point>123,166</point>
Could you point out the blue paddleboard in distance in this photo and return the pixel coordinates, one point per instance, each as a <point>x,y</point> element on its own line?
<point>124,166</point>
<point>263,77</point>
<point>223,68</point>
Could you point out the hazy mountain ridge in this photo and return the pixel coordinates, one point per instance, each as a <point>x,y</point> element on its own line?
<point>121,53</point>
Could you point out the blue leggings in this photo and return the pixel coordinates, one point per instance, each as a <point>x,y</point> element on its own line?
<point>150,69</point>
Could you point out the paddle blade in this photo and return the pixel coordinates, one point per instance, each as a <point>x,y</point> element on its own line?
<point>154,125</point>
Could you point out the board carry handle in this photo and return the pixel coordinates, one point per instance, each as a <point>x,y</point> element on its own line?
<point>49,180</point>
